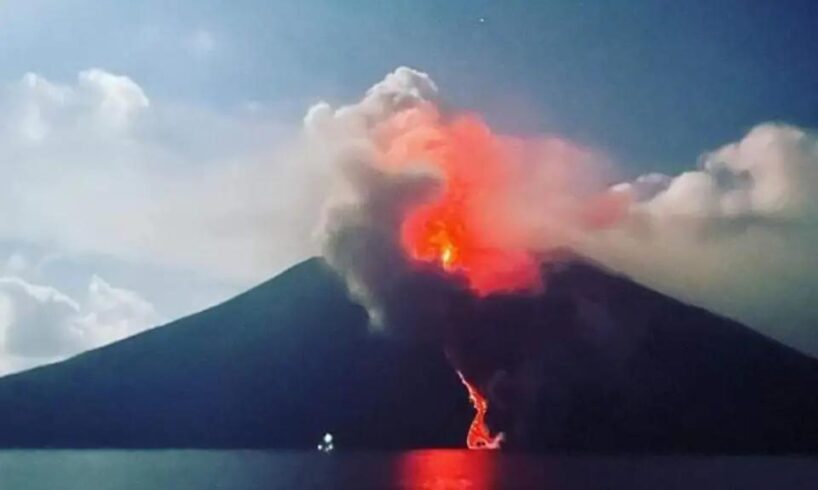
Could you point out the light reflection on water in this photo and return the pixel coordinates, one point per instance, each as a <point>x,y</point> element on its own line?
<point>447,470</point>
<point>427,470</point>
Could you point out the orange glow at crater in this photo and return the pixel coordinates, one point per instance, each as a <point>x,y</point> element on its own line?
<point>448,255</point>
<point>462,230</point>
<point>500,197</point>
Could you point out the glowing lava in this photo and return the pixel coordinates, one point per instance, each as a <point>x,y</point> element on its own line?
<point>447,256</point>
<point>464,229</point>
<point>479,436</point>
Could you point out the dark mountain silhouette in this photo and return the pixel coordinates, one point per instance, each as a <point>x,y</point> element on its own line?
<point>277,366</point>
<point>619,367</point>
<point>622,367</point>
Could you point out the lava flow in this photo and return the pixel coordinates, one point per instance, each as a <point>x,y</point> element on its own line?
<point>479,436</point>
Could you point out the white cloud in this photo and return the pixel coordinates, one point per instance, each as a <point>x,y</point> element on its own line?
<point>99,168</point>
<point>95,168</point>
<point>39,324</point>
<point>99,101</point>
<point>38,320</point>
<point>114,313</point>
<point>115,98</point>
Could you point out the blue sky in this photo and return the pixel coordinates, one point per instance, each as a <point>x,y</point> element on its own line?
<point>652,84</point>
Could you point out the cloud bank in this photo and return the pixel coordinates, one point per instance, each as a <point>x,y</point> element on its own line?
<point>736,236</point>
<point>99,168</point>
<point>39,324</point>
<point>96,169</point>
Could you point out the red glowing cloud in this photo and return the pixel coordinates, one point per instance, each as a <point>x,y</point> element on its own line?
<point>477,225</point>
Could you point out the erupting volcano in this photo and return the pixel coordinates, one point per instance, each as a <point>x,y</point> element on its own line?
<point>442,214</point>
<point>474,226</point>
<point>455,230</point>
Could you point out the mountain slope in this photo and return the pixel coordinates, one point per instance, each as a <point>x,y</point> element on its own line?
<point>615,367</point>
<point>657,374</point>
<point>277,366</point>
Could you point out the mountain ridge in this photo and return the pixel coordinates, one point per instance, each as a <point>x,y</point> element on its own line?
<point>626,369</point>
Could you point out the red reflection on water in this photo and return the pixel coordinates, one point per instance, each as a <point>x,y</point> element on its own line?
<point>441,469</point>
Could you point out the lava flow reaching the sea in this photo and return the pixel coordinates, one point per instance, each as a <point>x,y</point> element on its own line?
<point>442,228</point>
<point>479,435</point>
<point>452,229</point>
<point>474,226</point>
<point>439,215</point>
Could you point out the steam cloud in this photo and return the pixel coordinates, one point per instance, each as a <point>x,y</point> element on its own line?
<point>734,236</point>
<point>360,229</point>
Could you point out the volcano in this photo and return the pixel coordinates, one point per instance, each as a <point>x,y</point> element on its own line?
<point>612,366</point>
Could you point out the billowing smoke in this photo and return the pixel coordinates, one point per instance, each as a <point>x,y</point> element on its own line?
<point>736,236</point>
<point>360,229</point>
<point>432,204</point>
<point>440,193</point>
<point>441,227</point>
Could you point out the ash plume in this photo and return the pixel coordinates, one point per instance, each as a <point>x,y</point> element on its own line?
<point>438,226</point>
<point>737,235</point>
<point>445,232</point>
<point>428,205</point>
<point>360,228</point>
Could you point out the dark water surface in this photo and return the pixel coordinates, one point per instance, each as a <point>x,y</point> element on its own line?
<point>432,469</point>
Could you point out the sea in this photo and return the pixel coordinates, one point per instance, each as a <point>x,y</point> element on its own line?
<point>426,469</point>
